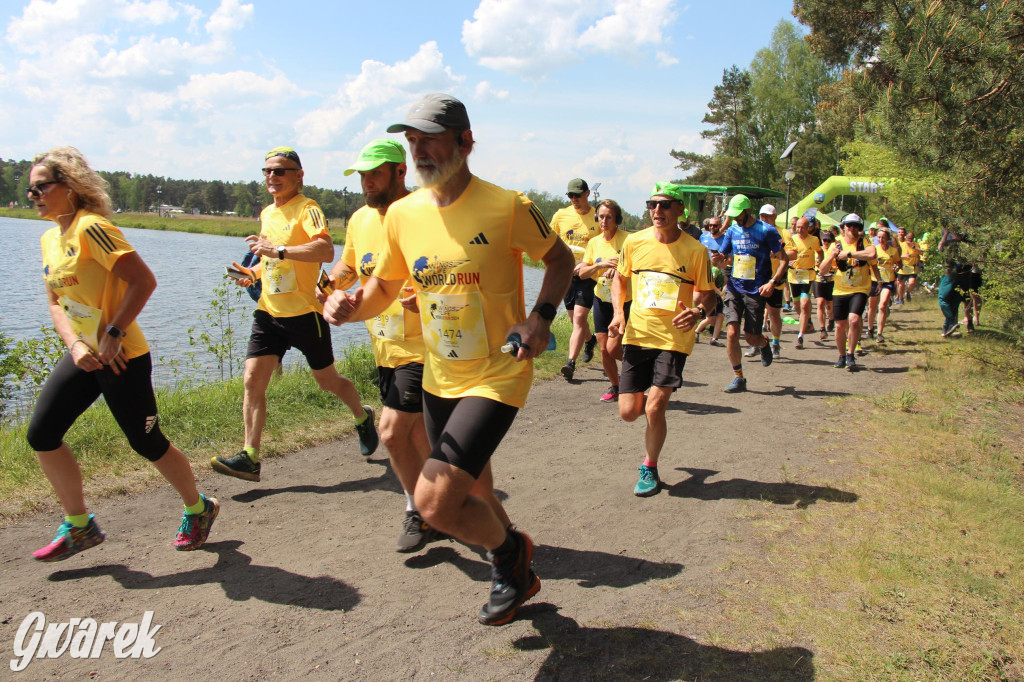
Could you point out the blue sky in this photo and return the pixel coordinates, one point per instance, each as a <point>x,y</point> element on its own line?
<point>555,89</point>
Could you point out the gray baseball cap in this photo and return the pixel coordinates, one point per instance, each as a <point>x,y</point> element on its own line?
<point>433,114</point>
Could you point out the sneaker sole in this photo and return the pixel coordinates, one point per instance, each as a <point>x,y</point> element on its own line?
<point>213,517</point>
<point>222,468</point>
<point>508,617</point>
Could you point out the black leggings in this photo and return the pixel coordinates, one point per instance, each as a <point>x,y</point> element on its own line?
<point>465,432</point>
<point>69,391</point>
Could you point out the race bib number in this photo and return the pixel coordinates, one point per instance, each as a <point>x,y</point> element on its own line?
<point>886,274</point>
<point>744,266</point>
<point>801,276</point>
<point>603,290</point>
<point>278,277</point>
<point>657,290</point>
<point>85,320</point>
<point>577,253</point>
<point>453,325</point>
<point>390,324</point>
<point>855,277</point>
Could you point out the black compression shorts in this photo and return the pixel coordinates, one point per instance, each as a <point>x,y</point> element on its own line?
<point>465,432</point>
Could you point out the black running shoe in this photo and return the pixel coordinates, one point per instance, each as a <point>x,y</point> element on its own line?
<point>239,466</point>
<point>569,369</point>
<point>512,582</point>
<point>368,438</point>
<point>588,349</point>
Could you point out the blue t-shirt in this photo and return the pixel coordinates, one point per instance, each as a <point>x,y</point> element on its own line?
<point>713,243</point>
<point>759,242</point>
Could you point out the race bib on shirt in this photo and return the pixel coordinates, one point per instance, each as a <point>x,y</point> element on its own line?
<point>278,277</point>
<point>577,253</point>
<point>856,277</point>
<point>85,320</point>
<point>801,276</point>
<point>603,290</point>
<point>453,325</point>
<point>390,324</point>
<point>744,266</point>
<point>657,290</point>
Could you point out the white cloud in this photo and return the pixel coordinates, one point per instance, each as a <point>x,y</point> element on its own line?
<point>530,40</point>
<point>155,12</point>
<point>235,89</point>
<point>484,92</point>
<point>664,59</point>
<point>378,86</point>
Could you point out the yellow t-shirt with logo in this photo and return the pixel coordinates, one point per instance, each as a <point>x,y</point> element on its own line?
<point>662,277</point>
<point>909,255</point>
<point>853,280</point>
<point>575,229</point>
<point>465,263</point>
<point>801,269</point>
<point>77,268</point>
<point>600,249</point>
<point>886,260</point>
<point>289,286</point>
<point>396,334</point>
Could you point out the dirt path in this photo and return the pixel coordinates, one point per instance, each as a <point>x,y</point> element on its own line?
<point>299,577</point>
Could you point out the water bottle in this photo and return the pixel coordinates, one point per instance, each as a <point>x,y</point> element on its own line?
<point>514,341</point>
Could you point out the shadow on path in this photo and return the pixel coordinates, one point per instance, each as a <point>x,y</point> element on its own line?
<point>386,481</point>
<point>698,408</point>
<point>633,653</point>
<point>742,489</point>
<point>802,394</point>
<point>238,576</point>
<point>587,567</point>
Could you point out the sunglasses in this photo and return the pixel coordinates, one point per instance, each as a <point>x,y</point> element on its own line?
<point>36,191</point>
<point>663,204</point>
<point>714,225</point>
<point>277,172</point>
<point>574,195</point>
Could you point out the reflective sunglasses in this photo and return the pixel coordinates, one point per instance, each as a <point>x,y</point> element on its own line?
<point>36,191</point>
<point>574,195</point>
<point>663,204</point>
<point>277,172</point>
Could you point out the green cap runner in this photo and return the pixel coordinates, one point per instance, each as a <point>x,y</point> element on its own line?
<point>377,152</point>
<point>738,204</point>
<point>668,189</point>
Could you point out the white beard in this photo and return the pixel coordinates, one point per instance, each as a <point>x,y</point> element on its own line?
<point>437,176</point>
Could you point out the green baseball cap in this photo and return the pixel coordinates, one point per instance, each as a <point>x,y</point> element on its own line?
<point>286,152</point>
<point>668,189</point>
<point>738,204</point>
<point>377,152</point>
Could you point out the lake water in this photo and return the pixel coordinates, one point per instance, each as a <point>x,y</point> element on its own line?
<point>188,267</point>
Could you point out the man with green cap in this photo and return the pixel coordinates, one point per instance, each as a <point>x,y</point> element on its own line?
<point>666,270</point>
<point>396,335</point>
<point>749,247</point>
<point>292,243</point>
<point>576,224</point>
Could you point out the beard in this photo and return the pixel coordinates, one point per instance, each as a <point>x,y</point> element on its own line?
<point>439,174</point>
<point>386,196</point>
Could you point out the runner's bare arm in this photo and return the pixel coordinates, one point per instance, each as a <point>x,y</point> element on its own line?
<point>617,327</point>
<point>368,301</point>
<point>320,249</point>
<point>535,331</point>
<point>342,276</point>
<point>141,282</point>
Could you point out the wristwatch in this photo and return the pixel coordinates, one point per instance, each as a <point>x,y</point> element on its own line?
<point>114,331</point>
<point>703,313</point>
<point>545,310</point>
<point>280,253</point>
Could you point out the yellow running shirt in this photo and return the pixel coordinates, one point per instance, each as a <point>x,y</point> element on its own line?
<point>599,249</point>
<point>855,279</point>
<point>886,259</point>
<point>77,268</point>
<point>801,269</point>
<point>288,285</point>
<point>783,236</point>
<point>465,262</point>
<point>575,229</point>
<point>909,255</point>
<point>396,334</point>
<point>662,278</point>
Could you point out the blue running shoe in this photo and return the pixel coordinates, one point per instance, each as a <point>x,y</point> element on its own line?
<point>648,483</point>
<point>738,385</point>
<point>841,362</point>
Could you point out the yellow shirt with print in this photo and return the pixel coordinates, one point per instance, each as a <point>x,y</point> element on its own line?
<point>289,286</point>
<point>801,269</point>
<point>909,256</point>
<point>465,263</point>
<point>77,268</point>
<point>396,334</point>
<point>662,277</point>
<point>600,249</point>
<point>575,229</point>
<point>886,260</point>
<point>853,280</point>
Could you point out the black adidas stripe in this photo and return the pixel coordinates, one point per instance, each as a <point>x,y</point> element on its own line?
<point>317,217</point>
<point>101,239</point>
<point>542,224</point>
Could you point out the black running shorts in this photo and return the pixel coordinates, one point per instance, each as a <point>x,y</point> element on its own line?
<point>401,388</point>
<point>646,367</point>
<point>275,335</point>
<point>465,432</point>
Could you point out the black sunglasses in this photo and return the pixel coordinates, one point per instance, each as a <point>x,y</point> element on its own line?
<point>663,204</point>
<point>36,191</point>
<point>278,172</point>
<point>574,195</point>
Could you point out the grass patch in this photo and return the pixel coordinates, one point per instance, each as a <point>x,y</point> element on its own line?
<point>204,421</point>
<point>923,577</point>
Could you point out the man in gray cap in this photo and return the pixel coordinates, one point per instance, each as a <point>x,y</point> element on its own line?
<point>576,224</point>
<point>460,240</point>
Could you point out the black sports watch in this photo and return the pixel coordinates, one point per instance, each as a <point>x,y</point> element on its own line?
<point>114,331</point>
<point>546,311</point>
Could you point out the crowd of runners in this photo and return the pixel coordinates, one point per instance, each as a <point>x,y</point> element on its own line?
<point>440,289</point>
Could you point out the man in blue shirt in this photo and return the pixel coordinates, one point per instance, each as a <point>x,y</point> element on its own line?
<point>751,244</point>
